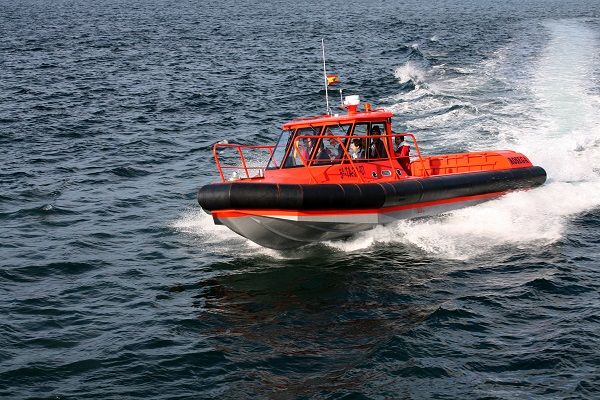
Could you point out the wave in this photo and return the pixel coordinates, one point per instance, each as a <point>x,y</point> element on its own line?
<point>217,239</point>
<point>410,73</point>
<point>129,172</point>
<point>37,211</point>
<point>549,113</point>
<point>493,105</point>
<point>411,52</point>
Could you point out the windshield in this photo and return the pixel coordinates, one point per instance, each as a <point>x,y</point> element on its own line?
<point>279,152</point>
<point>330,149</point>
<point>301,151</point>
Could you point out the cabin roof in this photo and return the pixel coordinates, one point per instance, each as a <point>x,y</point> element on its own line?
<point>320,120</point>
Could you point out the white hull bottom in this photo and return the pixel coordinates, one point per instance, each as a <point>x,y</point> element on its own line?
<point>289,232</point>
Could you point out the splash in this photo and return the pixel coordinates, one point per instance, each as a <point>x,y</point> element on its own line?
<point>549,114</point>
<point>552,117</point>
<point>219,239</point>
<point>200,224</point>
<point>410,72</point>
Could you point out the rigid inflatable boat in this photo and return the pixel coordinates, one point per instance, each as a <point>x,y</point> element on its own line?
<point>331,176</point>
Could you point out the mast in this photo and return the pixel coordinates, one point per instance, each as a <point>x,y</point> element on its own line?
<point>325,77</point>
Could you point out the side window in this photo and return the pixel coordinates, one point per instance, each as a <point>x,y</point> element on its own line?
<point>357,146</point>
<point>330,149</point>
<point>300,154</point>
<point>361,129</point>
<point>279,152</point>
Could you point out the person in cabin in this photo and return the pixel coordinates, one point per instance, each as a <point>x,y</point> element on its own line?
<point>329,151</point>
<point>300,154</point>
<point>356,149</point>
<point>377,148</point>
<point>336,151</point>
<point>324,154</point>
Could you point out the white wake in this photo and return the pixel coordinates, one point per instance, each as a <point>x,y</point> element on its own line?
<point>543,107</point>
<point>552,116</point>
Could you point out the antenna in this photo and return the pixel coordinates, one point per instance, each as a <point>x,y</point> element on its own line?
<point>325,76</point>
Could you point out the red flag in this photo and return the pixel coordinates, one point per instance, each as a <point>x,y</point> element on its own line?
<point>332,79</point>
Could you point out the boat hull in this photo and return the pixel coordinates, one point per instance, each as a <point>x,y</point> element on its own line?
<point>284,216</point>
<point>282,232</point>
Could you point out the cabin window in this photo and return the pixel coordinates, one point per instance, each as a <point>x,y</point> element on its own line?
<point>361,129</point>
<point>377,144</point>
<point>330,149</point>
<point>279,152</point>
<point>301,147</point>
<point>358,143</point>
<point>368,142</point>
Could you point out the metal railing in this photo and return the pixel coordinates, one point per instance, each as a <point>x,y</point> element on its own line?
<point>343,143</point>
<point>419,166</point>
<point>242,158</point>
<point>457,163</point>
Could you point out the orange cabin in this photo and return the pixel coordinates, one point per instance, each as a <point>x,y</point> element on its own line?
<point>356,147</point>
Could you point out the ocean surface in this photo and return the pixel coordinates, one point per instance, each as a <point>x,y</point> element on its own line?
<point>114,284</point>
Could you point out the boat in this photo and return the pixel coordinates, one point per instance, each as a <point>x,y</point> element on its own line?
<point>331,176</point>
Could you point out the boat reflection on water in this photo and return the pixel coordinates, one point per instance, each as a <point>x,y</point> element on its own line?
<point>310,328</point>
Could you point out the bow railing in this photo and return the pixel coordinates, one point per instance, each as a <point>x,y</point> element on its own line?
<point>245,165</point>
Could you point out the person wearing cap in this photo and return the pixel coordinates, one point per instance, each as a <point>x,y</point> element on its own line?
<point>377,148</point>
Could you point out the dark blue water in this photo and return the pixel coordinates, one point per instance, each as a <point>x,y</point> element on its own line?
<point>114,284</point>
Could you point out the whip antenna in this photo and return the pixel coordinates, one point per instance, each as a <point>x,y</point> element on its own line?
<point>325,76</point>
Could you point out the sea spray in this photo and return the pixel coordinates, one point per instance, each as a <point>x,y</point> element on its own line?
<point>565,142</point>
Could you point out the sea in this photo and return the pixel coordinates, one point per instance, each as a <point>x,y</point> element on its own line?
<point>115,284</point>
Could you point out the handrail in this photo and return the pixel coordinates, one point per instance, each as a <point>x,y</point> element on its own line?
<point>448,163</point>
<point>421,166</point>
<point>337,138</point>
<point>307,162</point>
<point>417,149</point>
<point>240,149</point>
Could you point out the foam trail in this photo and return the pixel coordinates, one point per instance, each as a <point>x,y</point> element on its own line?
<point>570,145</point>
<point>559,129</point>
<point>564,76</point>
<point>410,71</point>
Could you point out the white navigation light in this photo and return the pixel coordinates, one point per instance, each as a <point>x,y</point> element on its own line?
<point>352,100</point>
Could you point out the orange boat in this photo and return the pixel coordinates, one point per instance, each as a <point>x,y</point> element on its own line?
<point>331,176</point>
